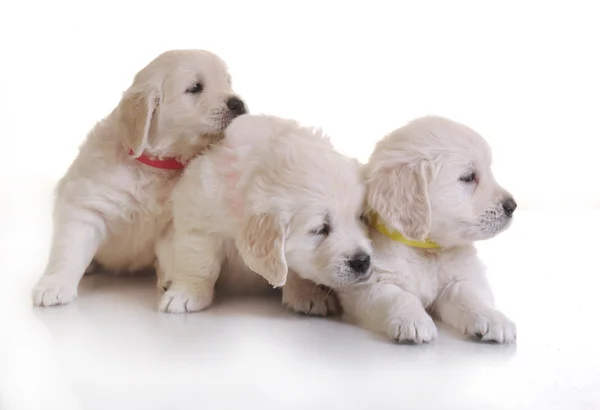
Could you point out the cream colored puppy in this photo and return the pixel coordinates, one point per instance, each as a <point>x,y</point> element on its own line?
<point>271,195</point>
<point>432,193</point>
<point>110,206</point>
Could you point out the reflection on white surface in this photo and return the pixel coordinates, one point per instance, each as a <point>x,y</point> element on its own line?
<point>113,350</point>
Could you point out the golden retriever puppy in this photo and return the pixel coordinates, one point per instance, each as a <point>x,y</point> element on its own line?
<point>110,206</point>
<point>271,196</point>
<point>432,194</point>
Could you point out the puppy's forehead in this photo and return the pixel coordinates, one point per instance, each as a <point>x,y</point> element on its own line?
<point>434,137</point>
<point>346,189</point>
<point>185,65</point>
<point>334,206</point>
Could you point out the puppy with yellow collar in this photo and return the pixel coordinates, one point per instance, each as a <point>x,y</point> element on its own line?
<point>432,194</point>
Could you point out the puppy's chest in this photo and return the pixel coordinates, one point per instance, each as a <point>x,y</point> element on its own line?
<point>426,280</point>
<point>422,275</point>
<point>146,207</point>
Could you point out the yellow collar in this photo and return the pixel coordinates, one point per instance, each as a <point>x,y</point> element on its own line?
<point>378,224</point>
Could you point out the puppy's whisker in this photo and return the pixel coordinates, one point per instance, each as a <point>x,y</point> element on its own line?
<point>327,294</point>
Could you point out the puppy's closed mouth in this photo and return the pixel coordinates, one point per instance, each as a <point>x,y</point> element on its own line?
<point>350,279</point>
<point>365,277</point>
<point>222,118</point>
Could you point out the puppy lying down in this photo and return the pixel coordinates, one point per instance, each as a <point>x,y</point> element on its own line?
<point>432,194</point>
<point>271,196</point>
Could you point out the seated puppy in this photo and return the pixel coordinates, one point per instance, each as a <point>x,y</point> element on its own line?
<point>432,194</point>
<point>271,195</point>
<point>110,206</point>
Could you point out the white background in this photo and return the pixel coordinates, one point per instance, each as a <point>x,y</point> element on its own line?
<point>525,74</point>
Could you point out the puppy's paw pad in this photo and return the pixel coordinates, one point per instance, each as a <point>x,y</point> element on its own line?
<point>182,302</point>
<point>491,326</point>
<point>316,301</point>
<point>51,293</point>
<point>412,329</point>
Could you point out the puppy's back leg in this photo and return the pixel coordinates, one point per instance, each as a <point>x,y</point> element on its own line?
<point>305,296</point>
<point>74,244</point>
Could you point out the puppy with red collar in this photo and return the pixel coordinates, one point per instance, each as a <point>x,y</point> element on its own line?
<point>111,205</point>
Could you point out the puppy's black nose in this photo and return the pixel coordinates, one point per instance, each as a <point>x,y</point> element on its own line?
<point>236,106</point>
<point>360,262</point>
<point>509,205</point>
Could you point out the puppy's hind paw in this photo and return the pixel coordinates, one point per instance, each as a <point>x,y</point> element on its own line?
<point>314,300</point>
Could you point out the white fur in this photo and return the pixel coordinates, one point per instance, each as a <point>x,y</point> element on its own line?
<point>414,183</point>
<point>263,192</point>
<point>109,207</point>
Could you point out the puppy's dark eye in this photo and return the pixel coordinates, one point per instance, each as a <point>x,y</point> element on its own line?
<point>324,230</point>
<point>197,88</point>
<point>471,177</point>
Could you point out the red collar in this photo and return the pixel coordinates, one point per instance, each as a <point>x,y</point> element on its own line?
<point>166,163</point>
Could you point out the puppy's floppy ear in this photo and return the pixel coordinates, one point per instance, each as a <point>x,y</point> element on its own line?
<point>136,110</point>
<point>261,245</point>
<point>399,195</point>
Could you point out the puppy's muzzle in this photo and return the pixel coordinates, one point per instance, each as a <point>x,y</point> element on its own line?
<point>360,264</point>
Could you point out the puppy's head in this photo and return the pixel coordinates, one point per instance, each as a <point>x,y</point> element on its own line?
<point>432,179</point>
<point>303,207</point>
<point>178,104</point>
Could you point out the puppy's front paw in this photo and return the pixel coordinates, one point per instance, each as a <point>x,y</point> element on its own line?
<point>413,328</point>
<point>51,291</point>
<point>490,326</point>
<point>183,301</point>
<point>315,300</point>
